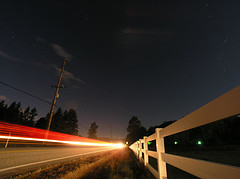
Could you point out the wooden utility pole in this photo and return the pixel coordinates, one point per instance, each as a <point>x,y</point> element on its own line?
<point>55,97</point>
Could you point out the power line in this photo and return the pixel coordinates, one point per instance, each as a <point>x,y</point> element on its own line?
<point>10,86</point>
<point>43,100</point>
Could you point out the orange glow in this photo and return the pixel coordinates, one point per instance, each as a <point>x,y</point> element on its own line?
<point>18,132</point>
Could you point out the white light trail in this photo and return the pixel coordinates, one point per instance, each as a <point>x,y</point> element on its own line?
<point>64,142</point>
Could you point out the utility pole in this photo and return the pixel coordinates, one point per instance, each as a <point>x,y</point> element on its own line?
<point>55,97</point>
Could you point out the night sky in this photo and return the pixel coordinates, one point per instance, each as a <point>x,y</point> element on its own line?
<point>157,60</point>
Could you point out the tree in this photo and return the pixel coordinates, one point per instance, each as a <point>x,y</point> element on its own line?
<point>66,122</point>
<point>71,120</point>
<point>28,116</point>
<point>3,111</point>
<point>58,123</point>
<point>33,114</point>
<point>92,131</point>
<point>13,113</point>
<point>41,123</point>
<point>135,130</point>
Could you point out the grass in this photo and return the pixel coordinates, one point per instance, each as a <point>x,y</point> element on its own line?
<point>59,170</point>
<point>119,164</point>
<point>116,164</point>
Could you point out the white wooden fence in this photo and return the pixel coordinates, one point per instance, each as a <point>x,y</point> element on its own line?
<point>224,106</point>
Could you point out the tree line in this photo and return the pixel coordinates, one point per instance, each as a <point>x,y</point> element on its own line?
<point>225,131</point>
<point>63,121</point>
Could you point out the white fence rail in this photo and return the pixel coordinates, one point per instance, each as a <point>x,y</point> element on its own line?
<point>224,106</point>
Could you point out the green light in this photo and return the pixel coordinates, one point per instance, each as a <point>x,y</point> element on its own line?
<point>199,142</point>
<point>175,142</point>
<point>149,143</point>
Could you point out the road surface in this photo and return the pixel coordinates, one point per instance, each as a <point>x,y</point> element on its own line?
<point>18,160</point>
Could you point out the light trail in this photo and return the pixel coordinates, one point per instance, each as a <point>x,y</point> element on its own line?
<point>64,142</point>
<point>17,132</point>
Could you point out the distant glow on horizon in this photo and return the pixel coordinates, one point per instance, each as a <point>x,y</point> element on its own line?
<point>120,145</point>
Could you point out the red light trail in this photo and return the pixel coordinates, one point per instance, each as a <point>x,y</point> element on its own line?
<point>17,132</point>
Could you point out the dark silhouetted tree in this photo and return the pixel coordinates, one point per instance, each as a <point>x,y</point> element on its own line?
<point>66,122</point>
<point>41,123</point>
<point>33,114</point>
<point>135,130</point>
<point>58,123</point>
<point>92,131</point>
<point>28,116</point>
<point>15,114</point>
<point>3,111</point>
<point>71,120</point>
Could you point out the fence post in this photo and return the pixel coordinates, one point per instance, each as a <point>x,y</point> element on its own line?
<point>137,147</point>
<point>140,149</point>
<point>7,141</point>
<point>145,151</point>
<point>133,147</point>
<point>162,171</point>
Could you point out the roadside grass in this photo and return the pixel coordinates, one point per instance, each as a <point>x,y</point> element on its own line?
<point>120,163</point>
<point>59,170</point>
<point>116,164</point>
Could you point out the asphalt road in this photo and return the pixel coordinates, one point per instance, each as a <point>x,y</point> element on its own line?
<point>18,160</point>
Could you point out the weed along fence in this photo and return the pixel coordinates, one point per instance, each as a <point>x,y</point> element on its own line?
<point>224,106</point>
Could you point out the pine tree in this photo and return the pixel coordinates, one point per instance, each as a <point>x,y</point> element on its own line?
<point>58,123</point>
<point>92,131</point>
<point>41,123</point>
<point>3,111</point>
<point>135,130</point>
<point>71,120</point>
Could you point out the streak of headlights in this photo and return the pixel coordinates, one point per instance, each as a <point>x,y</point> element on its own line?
<point>17,132</point>
<point>64,142</point>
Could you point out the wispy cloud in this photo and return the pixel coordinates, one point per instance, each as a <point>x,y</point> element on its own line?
<point>4,98</point>
<point>9,57</point>
<point>60,51</point>
<point>68,75</point>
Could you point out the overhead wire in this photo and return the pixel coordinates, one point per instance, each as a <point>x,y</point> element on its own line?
<point>10,86</point>
<point>34,96</point>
